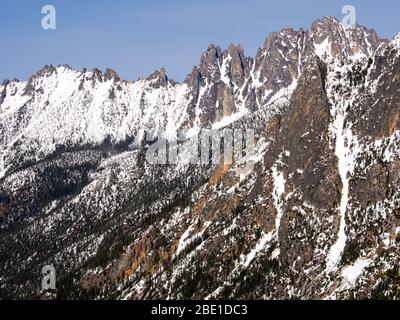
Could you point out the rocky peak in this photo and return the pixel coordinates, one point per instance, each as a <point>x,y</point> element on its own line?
<point>325,25</point>
<point>280,52</point>
<point>215,83</point>
<point>211,56</point>
<point>281,60</point>
<point>207,70</point>
<point>236,65</point>
<point>328,37</point>
<point>5,82</point>
<point>283,38</point>
<point>46,70</point>
<point>395,43</point>
<point>97,74</point>
<point>111,75</point>
<point>3,90</point>
<point>209,64</point>
<point>158,78</point>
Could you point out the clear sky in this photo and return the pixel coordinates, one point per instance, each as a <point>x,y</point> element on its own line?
<point>136,37</point>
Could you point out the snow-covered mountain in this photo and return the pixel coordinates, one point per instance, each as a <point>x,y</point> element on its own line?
<point>61,108</point>
<point>315,216</point>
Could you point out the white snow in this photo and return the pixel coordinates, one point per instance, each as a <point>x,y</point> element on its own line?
<point>283,95</point>
<point>227,120</point>
<point>341,152</point>
<point>223,68</point>
<point>278,193</point>
<point>75,110</point>
<point>396,42</point>
<point>353,272</point>
<point>185,240</point>
<point>266,237</point>
<point>323,49</point>
<point>279,190</point>
<point>346,150</point>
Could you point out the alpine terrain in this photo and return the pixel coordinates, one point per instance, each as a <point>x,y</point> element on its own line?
<point>310,210</point>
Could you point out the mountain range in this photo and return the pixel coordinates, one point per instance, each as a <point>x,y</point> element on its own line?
<point>316,215</point>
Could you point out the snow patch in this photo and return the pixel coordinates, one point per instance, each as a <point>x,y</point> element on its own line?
<point>266,237</point>
<point>323,49</point>
<point>353,272</point>
<point>346,150</point>
<point>278,193</point>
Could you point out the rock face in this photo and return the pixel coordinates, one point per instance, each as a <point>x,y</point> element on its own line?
<point>315,216</point>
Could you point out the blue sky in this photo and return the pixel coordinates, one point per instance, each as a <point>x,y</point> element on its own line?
<point>137,37</point>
